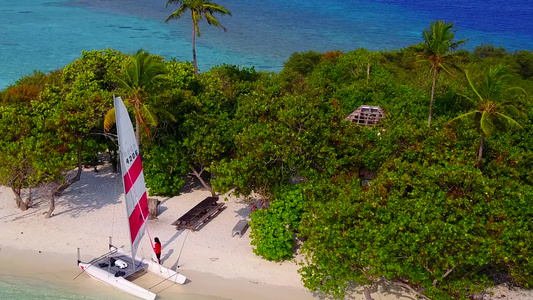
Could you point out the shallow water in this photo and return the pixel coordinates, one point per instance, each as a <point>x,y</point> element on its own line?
<point>14,288</point>
<point>48,34</point>
<point>18,288</point>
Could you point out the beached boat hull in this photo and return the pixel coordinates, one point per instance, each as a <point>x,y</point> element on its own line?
<point>105,269</point>
<point>117,282</point>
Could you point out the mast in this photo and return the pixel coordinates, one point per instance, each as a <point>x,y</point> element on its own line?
<point>133,177</point>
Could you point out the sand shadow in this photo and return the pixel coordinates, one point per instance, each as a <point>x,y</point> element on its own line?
<point>382,287</point>
<point>169,253</point>
<point>176,265</point>
<point>191,184</point>
<point>38,204</point>
<point>244,212</point>
<point>82,197</point>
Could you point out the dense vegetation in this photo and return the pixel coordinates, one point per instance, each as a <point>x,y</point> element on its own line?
<point>441,217</point>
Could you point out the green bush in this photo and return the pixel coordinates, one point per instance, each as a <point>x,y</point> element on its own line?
<point>273,228</point>
<point>524,59</point>
<point>163,169</point>
<point>302,62</point>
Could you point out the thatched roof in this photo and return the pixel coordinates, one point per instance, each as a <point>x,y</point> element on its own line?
<point>366,115</point>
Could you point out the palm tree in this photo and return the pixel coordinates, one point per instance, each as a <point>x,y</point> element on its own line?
<point>140,75</point>
<point>199,9</point>
<point>438,42</point>
<point>492,114</point>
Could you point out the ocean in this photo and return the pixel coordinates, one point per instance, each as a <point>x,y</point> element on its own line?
<point>46,35</point>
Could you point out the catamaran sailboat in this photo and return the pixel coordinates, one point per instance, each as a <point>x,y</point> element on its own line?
<point>118,264</point>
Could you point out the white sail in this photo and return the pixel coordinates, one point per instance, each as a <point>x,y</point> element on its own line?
<point>132,174</point>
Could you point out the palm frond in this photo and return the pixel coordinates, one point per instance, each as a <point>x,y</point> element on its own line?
<point>519,89</point>
<point>141,75</point>
<point>485,124</point>
<point>447,71</point>
<point>456,44</point>
<point>148,117</point>
<point>120,80</point>
<point>177,14</point>
<point>179,2</point>
<point>438,38</point>
<point>213,21</point>
<point>215,8</point>
<point>510,122</point>
<point>109,119</point>
<point>494,81</point>
<point>513,112</point>
<point>472,86</point>
<point>466,97</point>
<point>464,116</point>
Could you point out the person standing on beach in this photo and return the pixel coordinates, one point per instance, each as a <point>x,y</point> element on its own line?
<point>157,249</point>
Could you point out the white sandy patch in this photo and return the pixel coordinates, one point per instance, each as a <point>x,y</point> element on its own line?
<point>91,210</point>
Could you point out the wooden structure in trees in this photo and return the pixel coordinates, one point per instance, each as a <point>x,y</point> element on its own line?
<point>366,176</point>
<point>366,115</point>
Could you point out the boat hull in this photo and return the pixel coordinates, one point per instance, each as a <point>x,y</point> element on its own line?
<point>117,282</point>
<point>106,270</point>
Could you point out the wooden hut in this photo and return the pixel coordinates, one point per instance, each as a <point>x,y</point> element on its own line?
<point>366,115</point>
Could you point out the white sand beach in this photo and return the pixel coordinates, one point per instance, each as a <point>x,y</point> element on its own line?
<point>217,265</point>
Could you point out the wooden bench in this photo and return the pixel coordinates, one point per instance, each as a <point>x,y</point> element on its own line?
<point>207,217</point>
<point>239,228</point>
<point>199,214</point>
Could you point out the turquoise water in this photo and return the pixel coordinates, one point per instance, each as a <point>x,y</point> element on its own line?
<point>18,288</point>
<point>48,34</point>
<point>13,288</point>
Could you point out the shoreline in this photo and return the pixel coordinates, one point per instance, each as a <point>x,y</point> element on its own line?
<point>60,271</point>
<point>92,209</point>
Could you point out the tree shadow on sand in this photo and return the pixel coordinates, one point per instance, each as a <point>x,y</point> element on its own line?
<point>94,191</point>
<point>382,287</point>
<point>191,184</point>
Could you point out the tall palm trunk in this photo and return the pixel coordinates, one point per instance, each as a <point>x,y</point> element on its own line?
<point>435,73</point>
<point>368,72</point>
<point>194,48</point>
<point>480,154</point>
<point>138,131</point>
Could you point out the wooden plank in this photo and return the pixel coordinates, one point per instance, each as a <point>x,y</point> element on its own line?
<point>208,216</point>
<point>197,211</point>
<point>199,214</point>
